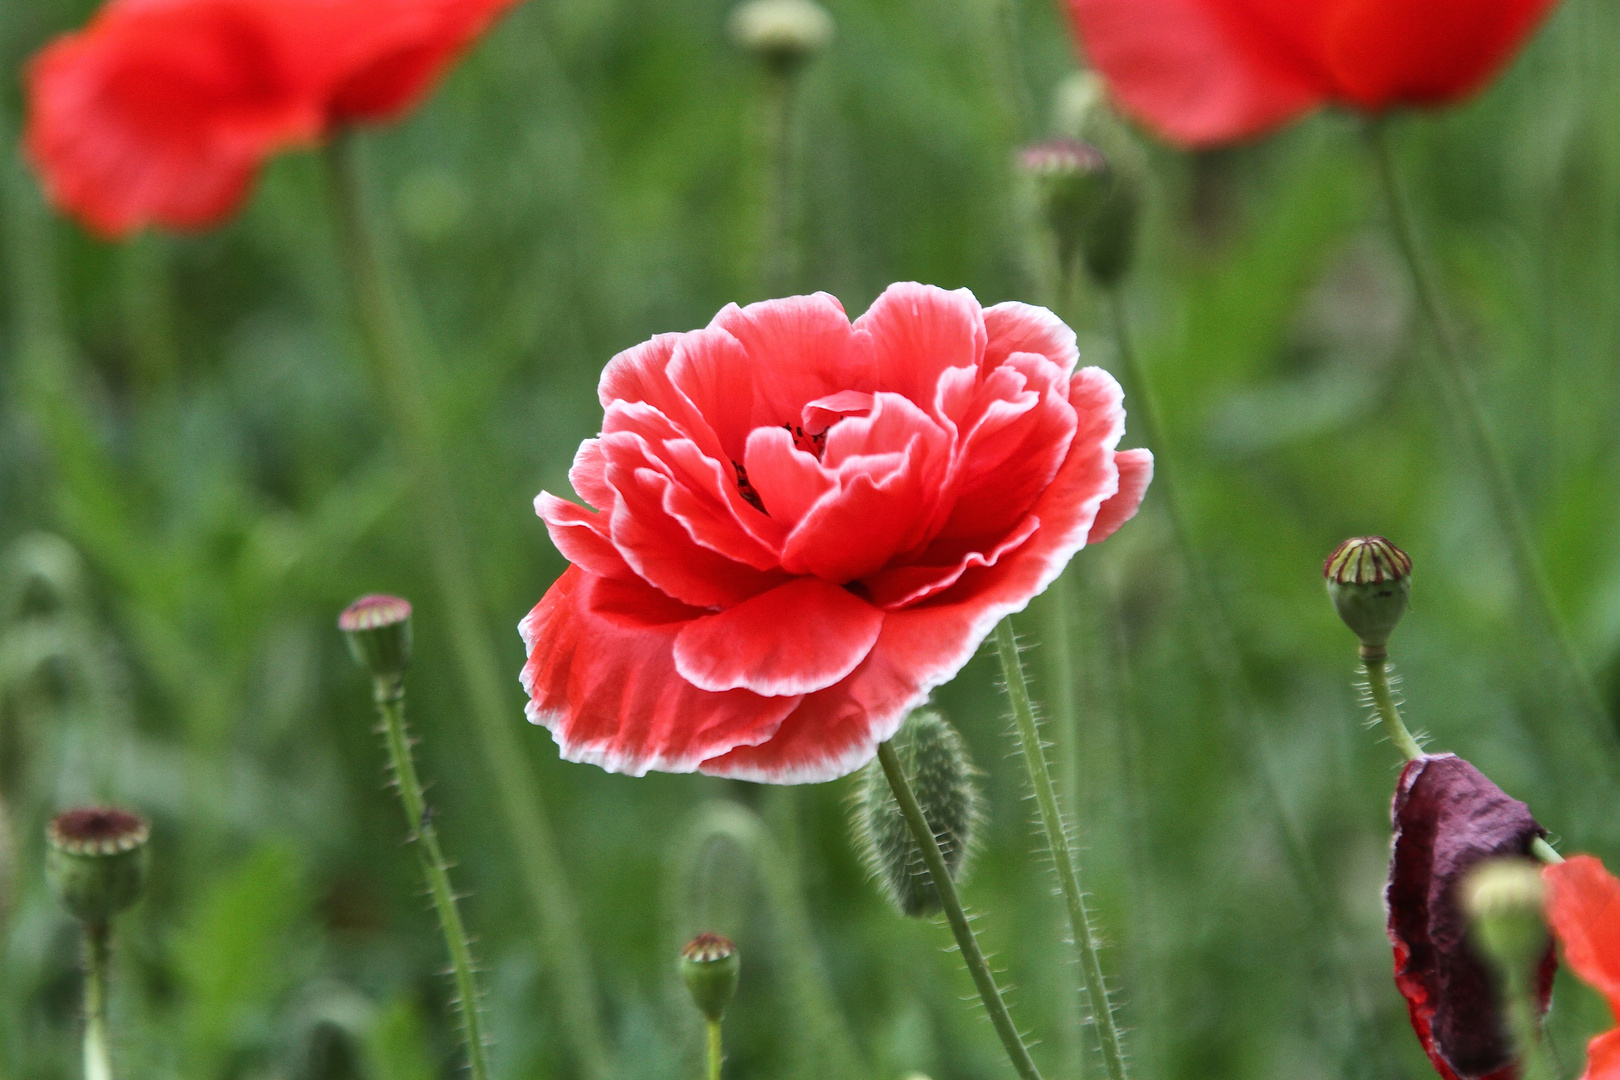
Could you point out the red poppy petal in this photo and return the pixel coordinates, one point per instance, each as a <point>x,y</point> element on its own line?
<point>1195,75</point>
<point>940,567</point>
<point>1583,906</point>
<point>1448,817</point>
<point>1388,52</point>
<point>798,637</point>
<point>1603,1057</point>
<point>579,535</point>
<point>919,331</point>
<point>1014,328</point>
<point>1135,474</point>
<point>789,481</point>
<point>601,676</point>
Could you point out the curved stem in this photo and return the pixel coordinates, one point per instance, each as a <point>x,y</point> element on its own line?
<point>968,944</point>
<point>394,369</point>
<point>1469,412</point>
<point>97,1059</point>
<point>1376,669</point>
<point>1063,861</point>
<point>714,1056</point>
<point>390,696</point>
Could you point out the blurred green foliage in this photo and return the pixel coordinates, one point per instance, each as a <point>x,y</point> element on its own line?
<point>193,483</point>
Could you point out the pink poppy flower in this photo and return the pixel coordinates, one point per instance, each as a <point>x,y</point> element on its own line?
<point>803,526</point>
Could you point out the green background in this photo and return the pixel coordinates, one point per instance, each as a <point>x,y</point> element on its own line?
<point>195,478</point>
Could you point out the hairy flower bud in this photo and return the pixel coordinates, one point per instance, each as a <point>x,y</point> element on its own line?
<point>1369,579</point>
<point>378,628</point>
<point>942,777</point>
<point>709,967</point>
<point>782,33</point>
<point>1504,900</point>
<point>96,860</point>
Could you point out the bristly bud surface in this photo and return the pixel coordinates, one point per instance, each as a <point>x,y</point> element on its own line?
<point>1369,580</point>
<point>943,779</point>
<point>782,33</point>
<point>709,967</point>
<point>1504,900</point>
<point>96,860</point>
<point>378,629</point>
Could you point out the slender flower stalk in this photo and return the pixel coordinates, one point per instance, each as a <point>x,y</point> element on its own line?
<point>97,959</point>
<point>715,1057</point>
<point>394,367</point>
<point>1063,858</point>
<point>1469,412</point>
<point>967,943</point>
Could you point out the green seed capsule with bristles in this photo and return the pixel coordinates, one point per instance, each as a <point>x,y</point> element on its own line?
<point>943,778</point>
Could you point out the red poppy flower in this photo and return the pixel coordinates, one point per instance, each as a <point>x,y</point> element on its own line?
<point>1204,72</point>
<point>161,111</point>
<point>1583,906</point>
<point>803,526</point>
<point>1449,817</point>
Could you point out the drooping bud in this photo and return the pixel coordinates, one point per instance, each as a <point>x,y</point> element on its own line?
<point>782,33</point>
<point>96,860</point>
<point>378,628</point>
<point>1504,900</point>
<point>709,967</point>
<point>943,778</point>
<point>1369,580</point>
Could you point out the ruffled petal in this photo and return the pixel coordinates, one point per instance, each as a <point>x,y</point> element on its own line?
<point>917,332</point>
<point>1014,328</point>
<point>1583,906</point>
<point>601,676</point>
<point>581,536</point>
<point>1135,474</point>
<point>789,481</point>
<point>801,636</point>
<point>1603,1057</point>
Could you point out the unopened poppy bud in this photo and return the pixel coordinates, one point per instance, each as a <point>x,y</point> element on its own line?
<point>782,33</point>
<point>1089,205</point>
<point>1369,580</point>
<point>379,632</point>
<point>96,860</point>
<point>1504,900</point>
<point>943,778</point>
<point>709,967</point>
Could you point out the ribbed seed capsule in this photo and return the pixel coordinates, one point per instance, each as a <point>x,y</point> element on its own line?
<point>942,776</point>
<point>95,858</point>
<point>1369,580</point>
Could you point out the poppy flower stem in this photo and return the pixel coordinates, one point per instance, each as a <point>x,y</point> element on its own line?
<point>1376,669</point>
<point>1469,413</point>
<point>388,349</point>
<point>966,942</point>
<point>715,1057</point>
<point>97,958</point>
<point>781,245</point>
<point>389,693</point>
<point>1063,860</point>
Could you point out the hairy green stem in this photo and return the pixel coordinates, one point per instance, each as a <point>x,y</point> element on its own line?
<point>1376,668</point>
<point>1469,412</point>
<point>1063,860</point>
<point>390,697</point>
<point>966,942</point>
<point>394,368</point>
<point>715,1056</point>
<point>97,956</point>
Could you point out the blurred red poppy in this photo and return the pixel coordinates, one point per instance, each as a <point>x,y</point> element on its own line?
<point>161,111</point>
<point>1583,906</point>
<point>1205,72</point>
<point>1449,817</point>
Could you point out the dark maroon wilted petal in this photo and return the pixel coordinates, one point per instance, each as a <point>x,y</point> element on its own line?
<point>1448,816</point>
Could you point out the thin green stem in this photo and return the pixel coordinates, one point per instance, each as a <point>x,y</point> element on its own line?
<point>1469,412</point>
<point>97,956</point>
<point>1524,1021</point>
<point>389,351</point>
<point>715,1056</point>
<point>1218,653</point>
<point>390,697</point>
<point>1063,860</point>
<point>781,247</point>
<point>1376,668</point>
<point>966,942</point>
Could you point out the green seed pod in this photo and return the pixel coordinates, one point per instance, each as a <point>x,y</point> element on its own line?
<point>1504,899</point>
<point>1369,580</point>
<point>709,967</point>
<point>782,33</point>
<point>379,631</point>
<point>942,776</point>
<point>1103,238</point>
<point>96,860</point>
